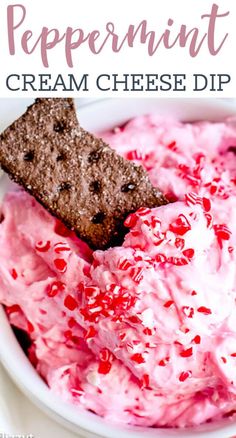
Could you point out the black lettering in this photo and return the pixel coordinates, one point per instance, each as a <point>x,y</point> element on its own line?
<point>99,78</point>
<point>28,80</point>
<point>9,78</point>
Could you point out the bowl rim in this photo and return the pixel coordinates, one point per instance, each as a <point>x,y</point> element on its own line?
<point>26,377</point>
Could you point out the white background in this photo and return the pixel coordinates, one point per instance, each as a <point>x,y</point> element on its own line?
<point>94,14</point>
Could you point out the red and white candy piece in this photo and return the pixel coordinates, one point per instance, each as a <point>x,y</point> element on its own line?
<point>43,246</point>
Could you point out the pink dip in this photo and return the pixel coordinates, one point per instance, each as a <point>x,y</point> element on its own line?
<point>145,333</point>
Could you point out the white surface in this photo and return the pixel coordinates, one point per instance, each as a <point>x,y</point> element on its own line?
<point>17,415</point>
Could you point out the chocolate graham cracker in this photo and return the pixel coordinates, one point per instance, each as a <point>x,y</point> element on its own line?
<point>73,174</point>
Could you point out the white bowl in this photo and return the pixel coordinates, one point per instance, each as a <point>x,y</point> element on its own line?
<point>97,116</point>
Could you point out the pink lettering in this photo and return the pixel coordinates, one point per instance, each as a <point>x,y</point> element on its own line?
<point>212,29</point>
<point>12,26</point>
<point>70,45</point>
<point>192,39</point>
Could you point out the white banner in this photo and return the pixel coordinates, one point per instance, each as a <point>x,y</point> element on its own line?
<point>103,48</point>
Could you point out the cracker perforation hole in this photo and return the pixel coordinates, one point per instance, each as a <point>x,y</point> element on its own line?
<point>64,186</point>
<point>29,156</point>
<point>94,156</point>
<point>61,157</point>
<point>95,186</point>
<point>98,218</point>
<point>129,187</point>
<point>59,127</point>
